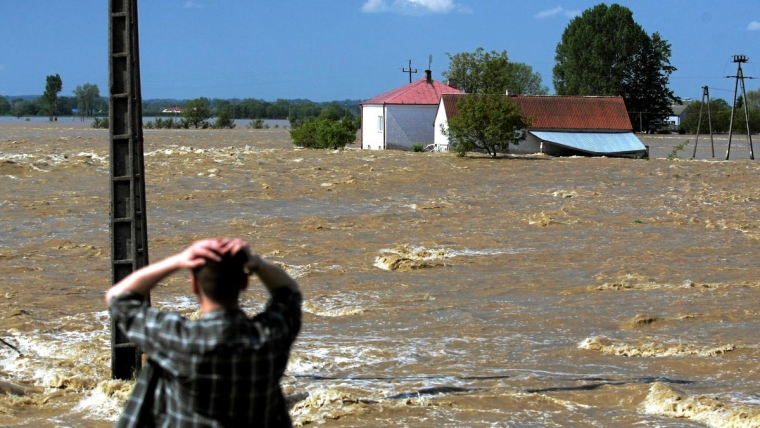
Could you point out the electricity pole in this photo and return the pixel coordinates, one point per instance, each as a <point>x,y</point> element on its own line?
<point>128,224</point>
<point>705,94</point>
<point>739,59</point>
<point>410,71</point>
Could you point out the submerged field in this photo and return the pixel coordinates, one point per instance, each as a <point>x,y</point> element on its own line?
<point>440,291</point>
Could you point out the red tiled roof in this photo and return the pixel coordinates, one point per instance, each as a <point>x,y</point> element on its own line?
<point>565,112</point>
<point>423,91</point>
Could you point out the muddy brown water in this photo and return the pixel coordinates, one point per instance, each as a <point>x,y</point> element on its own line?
<point>440,291</point>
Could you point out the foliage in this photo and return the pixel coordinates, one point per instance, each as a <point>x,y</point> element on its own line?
<point>5,106</point>
<point>100,122</point>
<point>418,148</point>
<point>753,100</point>
<point>86,95</point>
<point>168,123</point>
<point>196,113</point>
<point>605,52</point>
<point>322,133</point>
<point>720,115</point>
<point>21,107</point>
<point>224,120</point>
<point>482,72</point>
<point>256,124</point>
<point>678,148</point>
<point>53,87</point>
<point>486,122</point>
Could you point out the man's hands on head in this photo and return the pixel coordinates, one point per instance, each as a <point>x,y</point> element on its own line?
<point>235,245</point>
<point>144,279</point>
<point>198,252</point>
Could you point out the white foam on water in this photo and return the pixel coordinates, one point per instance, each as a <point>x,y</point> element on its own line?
<point>105,401</point>
<point>718,412</point>
<point>418,256</point>
<point>56,359</point>
<point>652,348</point>
<point>344,305</point>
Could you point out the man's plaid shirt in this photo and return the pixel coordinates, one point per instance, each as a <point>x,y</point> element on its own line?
<point>222,370</point>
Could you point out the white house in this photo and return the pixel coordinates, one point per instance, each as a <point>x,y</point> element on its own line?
<point>679,114</point>
<point>562,125</point>
<point>403,117</point>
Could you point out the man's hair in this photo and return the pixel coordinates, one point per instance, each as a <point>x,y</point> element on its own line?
<point>221,281</point>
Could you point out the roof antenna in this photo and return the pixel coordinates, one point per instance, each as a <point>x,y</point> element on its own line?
<point>430,61</point>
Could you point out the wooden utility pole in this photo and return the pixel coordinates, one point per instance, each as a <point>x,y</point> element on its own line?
<point>705,94</point>
<point>410,71</point>
<point>128,226</point>
<point>739,59</point>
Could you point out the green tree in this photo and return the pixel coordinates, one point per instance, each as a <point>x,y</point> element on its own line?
<point>720,113</point>
<point>323,133</point>
<point>224,119</point>
<point>605,52</point>
<point>86,96</point>
<point>21,107</point>
<point>5,106</point>
<point>483,72</point>
<point>753,99</point>
<point>486,122</point>
<point>53,87</point>
<point>196,113</point>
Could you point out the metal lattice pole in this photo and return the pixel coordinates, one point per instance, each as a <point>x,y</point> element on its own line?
<point>128,226</point>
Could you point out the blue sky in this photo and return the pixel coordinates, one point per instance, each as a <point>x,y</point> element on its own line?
<point>327,50</point>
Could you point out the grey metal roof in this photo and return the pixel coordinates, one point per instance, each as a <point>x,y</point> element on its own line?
<point>594,142</point>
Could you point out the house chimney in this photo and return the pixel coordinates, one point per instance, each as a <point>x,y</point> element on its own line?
<point>429,75</point>
<point>453,83</point>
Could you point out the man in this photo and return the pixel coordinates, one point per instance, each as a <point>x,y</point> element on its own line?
<point>222,370</point>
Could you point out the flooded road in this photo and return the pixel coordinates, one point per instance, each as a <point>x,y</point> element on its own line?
<point>439,291</point>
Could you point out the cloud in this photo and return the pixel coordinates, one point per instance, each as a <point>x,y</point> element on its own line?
<point>412,7</point>
<point>559,10</point>
<point>753,26</point>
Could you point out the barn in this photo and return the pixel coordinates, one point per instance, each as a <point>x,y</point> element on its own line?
<point>562,126</point>
<point>403,117</point>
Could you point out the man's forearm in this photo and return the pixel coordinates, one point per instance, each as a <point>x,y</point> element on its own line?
<point>271,275</point>
<point>144,279</point>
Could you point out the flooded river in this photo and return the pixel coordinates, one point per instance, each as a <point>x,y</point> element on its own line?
<point>439,291</point>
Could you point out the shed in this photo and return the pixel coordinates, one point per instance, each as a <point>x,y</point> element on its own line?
<point>403,117</point>
<point>562,125</point>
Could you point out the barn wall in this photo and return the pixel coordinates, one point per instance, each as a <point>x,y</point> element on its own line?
<point>531,144</point>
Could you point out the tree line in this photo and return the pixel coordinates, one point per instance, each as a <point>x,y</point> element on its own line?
<point>719,116</point>
<point>87,102</point>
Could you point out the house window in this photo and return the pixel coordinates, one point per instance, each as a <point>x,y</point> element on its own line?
<point>380,124</point>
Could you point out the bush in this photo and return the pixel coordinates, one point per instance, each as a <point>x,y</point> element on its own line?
<point>323,133</point>
<point>100,123</point>
<point>256,124</point>
<point>418,148</point>
<point>224,120</point>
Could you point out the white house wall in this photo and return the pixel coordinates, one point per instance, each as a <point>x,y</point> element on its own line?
<point>441,141</point>
<point>407,125</point>
<point>372,131</point>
